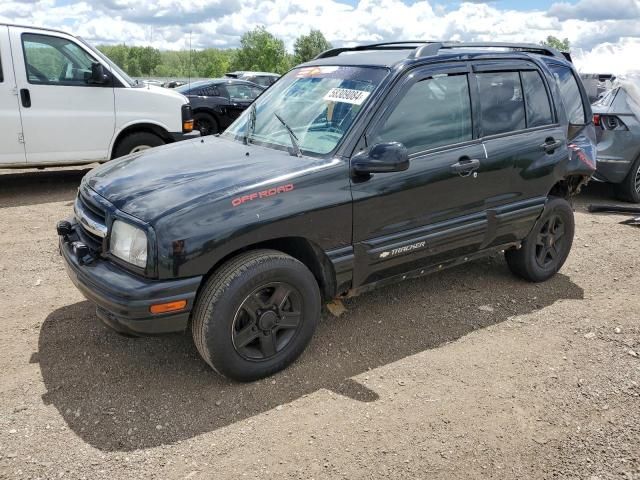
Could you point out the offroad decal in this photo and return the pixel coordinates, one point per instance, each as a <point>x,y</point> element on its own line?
<point>346,95</point>
<point>399,250</point>
<point>270,192</point>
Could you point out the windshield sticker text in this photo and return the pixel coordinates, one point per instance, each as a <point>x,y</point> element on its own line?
<point>270,192</point>
<point>346,95</point>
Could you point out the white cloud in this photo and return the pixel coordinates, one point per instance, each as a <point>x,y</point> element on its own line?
<point>601,36</point>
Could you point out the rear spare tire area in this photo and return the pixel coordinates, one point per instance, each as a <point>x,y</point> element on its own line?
<point>137,142</point>
<point>547,246</point>
<point>256,314</point>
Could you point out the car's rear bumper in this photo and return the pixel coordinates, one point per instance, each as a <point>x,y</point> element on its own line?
<point>612,169</point>
<point>124,299</point>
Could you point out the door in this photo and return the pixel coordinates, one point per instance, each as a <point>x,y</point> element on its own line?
<point>66,118</point>
<point>240,97</point>
<point>437,209</point>
<point>12,145</point>
<point>520,132</point>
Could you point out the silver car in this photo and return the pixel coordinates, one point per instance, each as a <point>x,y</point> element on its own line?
<point>616,116</point>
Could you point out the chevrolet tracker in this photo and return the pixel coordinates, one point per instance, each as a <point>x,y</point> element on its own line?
<point>365,166</point>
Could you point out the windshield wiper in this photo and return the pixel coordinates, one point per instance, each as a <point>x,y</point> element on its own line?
<point>251,124</point>
<point>294,140</point>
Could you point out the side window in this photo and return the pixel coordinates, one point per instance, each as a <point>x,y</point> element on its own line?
<point>501,102</point>
<point>239,92</point>
<point>255,92</point>
<point>55,61</point>
<point>570,93</point>
<point>536,99</point>
<point>432,113</point>
<point>1,74</point>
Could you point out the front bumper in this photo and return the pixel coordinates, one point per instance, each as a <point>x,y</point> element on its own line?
<point>178,136</point>
<point>123,299</point>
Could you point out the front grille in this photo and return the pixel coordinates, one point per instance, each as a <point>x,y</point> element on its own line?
<point>92,220</point>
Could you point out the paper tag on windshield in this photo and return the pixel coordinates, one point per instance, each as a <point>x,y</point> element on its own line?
<point>346,95</point>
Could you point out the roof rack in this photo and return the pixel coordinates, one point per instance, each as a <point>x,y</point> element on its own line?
<point>423,48</point>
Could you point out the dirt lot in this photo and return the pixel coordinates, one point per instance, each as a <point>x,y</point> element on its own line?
<point>470,373</point>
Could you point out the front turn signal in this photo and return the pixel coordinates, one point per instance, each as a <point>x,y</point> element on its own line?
<point>168,307</point>
<point>187,126</point>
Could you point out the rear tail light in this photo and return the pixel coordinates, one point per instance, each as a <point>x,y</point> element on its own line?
<point>609,122</point>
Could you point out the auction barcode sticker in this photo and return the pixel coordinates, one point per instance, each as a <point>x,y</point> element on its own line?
<point>346,95</point>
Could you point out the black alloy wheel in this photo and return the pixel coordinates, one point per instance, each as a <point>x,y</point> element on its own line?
<point>549,242</point>
<point>267,320</point>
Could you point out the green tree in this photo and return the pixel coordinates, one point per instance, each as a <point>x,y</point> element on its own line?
<point>555,42</point>
<point>309,46</point>
<point>261,51</point>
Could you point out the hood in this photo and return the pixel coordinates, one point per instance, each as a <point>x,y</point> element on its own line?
<point>165,92</point>
<point>153,183</point>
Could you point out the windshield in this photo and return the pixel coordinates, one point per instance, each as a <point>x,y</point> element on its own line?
<point>112,65</point>
<point>317,104</point>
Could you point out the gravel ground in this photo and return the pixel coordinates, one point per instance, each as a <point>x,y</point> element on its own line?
<point>470,373</point>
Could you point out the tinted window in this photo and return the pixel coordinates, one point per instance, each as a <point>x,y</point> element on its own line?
<point>55,61</point>
<point>210,91</point>
<point>1,75</point>
<point>570,93</point>
<point>536,99</point>
<point>501,102</point>
<point>240,92</point>
<point>433,112</point>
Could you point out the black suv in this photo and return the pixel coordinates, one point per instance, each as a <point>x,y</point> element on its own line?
<point>365,166</point>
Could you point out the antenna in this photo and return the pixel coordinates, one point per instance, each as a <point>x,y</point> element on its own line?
<point>189,59</point>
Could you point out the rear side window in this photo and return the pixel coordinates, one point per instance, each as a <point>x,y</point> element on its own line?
<point>501,102</point>
<point>570,93</point>
<point>432,113</point>
<point>536,99</point>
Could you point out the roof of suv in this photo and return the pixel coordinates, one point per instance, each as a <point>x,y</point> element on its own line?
<point>390,54</point>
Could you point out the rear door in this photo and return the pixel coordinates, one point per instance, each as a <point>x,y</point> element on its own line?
<point>65,118</point>
<point>519,131</point>
<point>12,145</point>
<point>437,209</point>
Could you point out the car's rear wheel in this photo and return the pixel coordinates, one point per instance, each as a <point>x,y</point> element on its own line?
<point>547,246</point>
<point>629,188</point>
<point>137,142</point>
<point>256,314</point>
<point>206,123</point>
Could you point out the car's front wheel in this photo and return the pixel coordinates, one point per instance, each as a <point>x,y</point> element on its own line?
<point>256,314</point>
<point>547,246</point>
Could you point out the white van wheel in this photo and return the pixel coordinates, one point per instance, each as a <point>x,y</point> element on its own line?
<point>137,142</point>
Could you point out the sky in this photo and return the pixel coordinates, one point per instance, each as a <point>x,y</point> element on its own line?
<point>604,34</point>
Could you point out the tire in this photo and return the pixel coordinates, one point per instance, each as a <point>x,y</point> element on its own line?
<point>206,123</point>
<point>247,346</point>
<point>135,142</point>
<point>629,189</point>
<point>547,246</point>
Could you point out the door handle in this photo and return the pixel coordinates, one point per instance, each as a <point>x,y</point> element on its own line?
<point>465,166</point>
<point>25,97</point>
<point>550,145</point>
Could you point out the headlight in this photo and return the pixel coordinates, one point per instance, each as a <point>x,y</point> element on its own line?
<point>128,243</point>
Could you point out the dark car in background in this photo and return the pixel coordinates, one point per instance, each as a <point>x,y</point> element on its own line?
<point>217,103</point>
<point>264,79</point>
<point>616,116</point>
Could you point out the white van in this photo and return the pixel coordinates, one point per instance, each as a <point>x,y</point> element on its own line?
<point>63,102</point>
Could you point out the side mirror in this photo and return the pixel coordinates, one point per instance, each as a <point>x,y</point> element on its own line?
<point>381,158</point>
<point>98,75</point>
